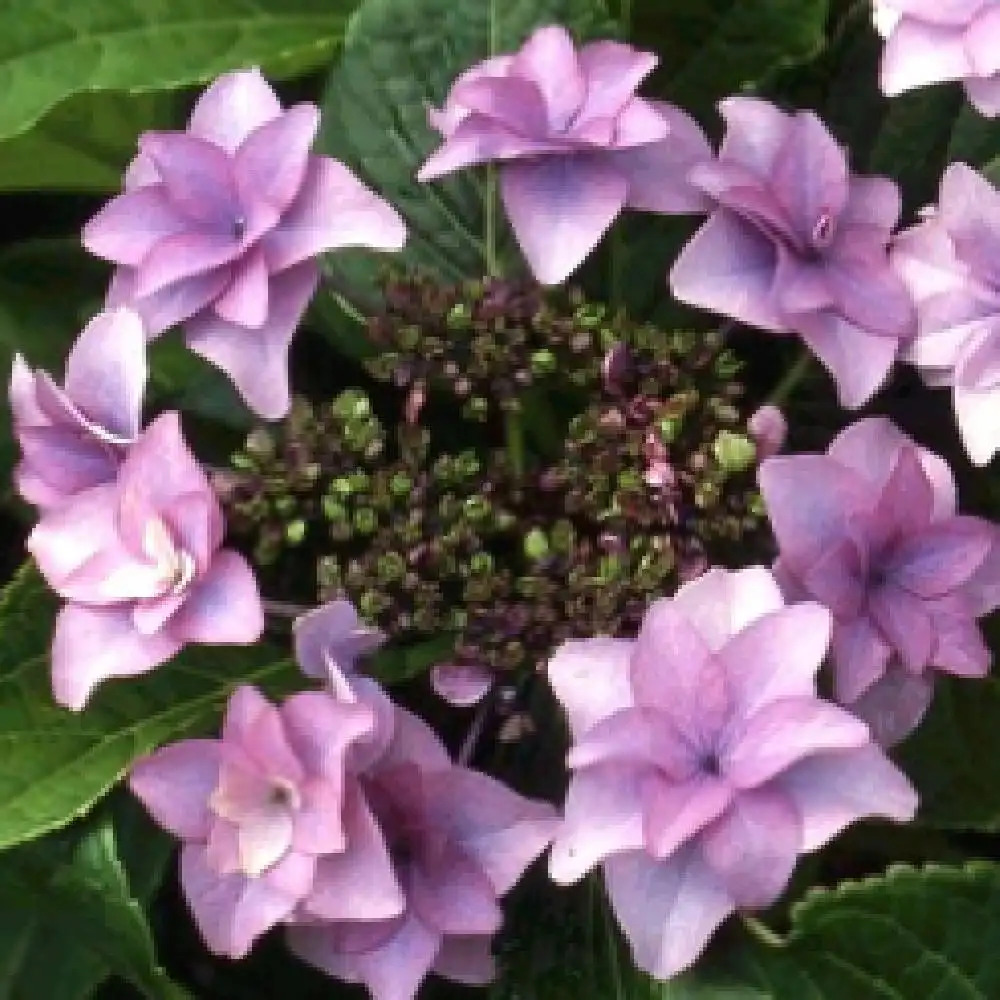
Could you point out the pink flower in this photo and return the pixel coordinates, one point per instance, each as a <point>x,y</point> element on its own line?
<point>459,840</point>
<point>218,228</point>
<point>140,563</point>
<point>329,640</point>
<point>930,41</point>
<point>704,763</point>
<point>870,530</point>
<point>74,437</point>
<point>575,143</point>
<point>949,262</point>
<point>269,819</point>
<point>798,244</point>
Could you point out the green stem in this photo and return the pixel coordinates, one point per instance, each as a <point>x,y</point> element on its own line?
<point>490,222</point>
<point>514,430</point>
<point>793,376</point>
<point>761,931</point>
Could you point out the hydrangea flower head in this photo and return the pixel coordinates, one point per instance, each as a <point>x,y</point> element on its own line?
<point>74,436</point>
<point>575,143</point>
<point>870,530</point>
<point>268,817</point>
<point>949,262</point>
<point>931,41</point>
<point>798,244</point>
<point>704,763</point>
<point>219,225</point>
<point>458,840</point>
<point>140,563</point>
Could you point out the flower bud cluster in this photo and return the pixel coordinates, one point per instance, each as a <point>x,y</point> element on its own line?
<point>511,554</point>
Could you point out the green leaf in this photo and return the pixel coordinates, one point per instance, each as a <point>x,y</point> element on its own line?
<point>84,143</point>
<point>399,57</point>
<point>54,764</point>
<point>954,756</point>
<point>710,49</point>
<point>75,900</point>
<point>50,50</point>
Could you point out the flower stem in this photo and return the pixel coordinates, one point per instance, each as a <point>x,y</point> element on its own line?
<point>282,609</point>
<point>490,195</point>
<point>792,377</point>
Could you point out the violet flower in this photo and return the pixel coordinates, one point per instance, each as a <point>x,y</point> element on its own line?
<point>140,563</point>
<point>704,763</point>
<point>798,244</point>
<point>329,640</point>
<point>269,820</point>
<point>931,41</point>
<point>459,840</point>
<point>218,228</point>
<point>74,437</point>
<point>870,530</point>
<point>949,262</point>
<point>575,143</point>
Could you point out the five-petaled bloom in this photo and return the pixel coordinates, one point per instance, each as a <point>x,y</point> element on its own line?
<point>75,437</point>
<point>931,41</point>
<point>575,143</point>
<point>798,244</point>
<point>458,840</point>
<point>870,530</point>
<point>140,563</point>
<point>270,819</point>
<point>704,763</point>
<point>950,263</point>
<point>219,225</point>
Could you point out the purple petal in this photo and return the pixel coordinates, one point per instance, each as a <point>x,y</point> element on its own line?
<point>721,603</point>
<point>90,645</point>
<point>174,784</point>
<point>838,579</point>
<point>754,847</point>
<point>232,911</point>
<point>330,639</point>
<point>461,684</point>
<point>451,895</point>
<point>223,607</point>
<point>894,705</point>
<point>869,294</point>
<point>832,790</point>
<point>668,908</point>
<point>959,647</point>
<point>657,174</point>
<point>728,267</point>
<point>871,447</point>
<point>332,210</point>
<point>196,523</point>
<point>358,883</point>
<point>906,505</point>
<point>590,677</point>
<point>170,305</point>
<point>59,464</point>
<point>515,103</point>
<point>638,124</point>
<point>917,54</point>
<point>984,95</point>
<point>501,831</point>
<point>943,556</point>
<point>232,107</point>
<point>603,816</point>
<point>637,736</point>
<point>613,72</point>
<point>859,655</point>
<point>871,201</point>
<point>755,132</point>
<point>674,671</point>
<point>809,173</point>
<point>257,360</point>
<point>976,406</point>
<point>559,208</point>
<point>320,729</point>
<point>415,743</point>
<point>393,970</point>
<point>858,361</point>
<point>478,139</point>
<point>106,372</point>
<point>245,302</point>
<point>129,226</point>
<point>675,812</point>
<point>196,175</point>
<point>904,622</point>
<point>190,254</point>
<point>783,732</point>
<point>548,59</point>
<point>271,163</point>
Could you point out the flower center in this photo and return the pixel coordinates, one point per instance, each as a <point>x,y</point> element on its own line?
<point>823,230</point>
<point>176,566</point>
<point>239,227</point>
<point>284,794</point>
<point>710,764</point>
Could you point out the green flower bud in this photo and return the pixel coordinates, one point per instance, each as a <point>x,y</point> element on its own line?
<point>536,545</point>
<point>295,531</point>
<point>733,452</point>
